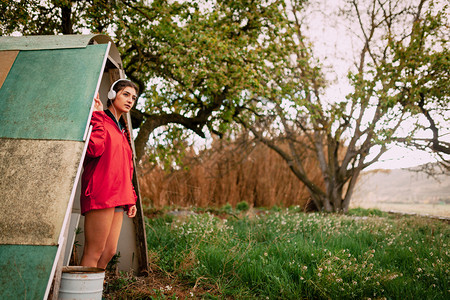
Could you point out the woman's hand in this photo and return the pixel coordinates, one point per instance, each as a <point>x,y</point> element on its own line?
<point>132,211</point>
<point>98,105</point>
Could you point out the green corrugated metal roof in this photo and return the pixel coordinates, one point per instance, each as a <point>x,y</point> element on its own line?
<point>25,271</point>
<point>48,93</point>
<point>40,42</point>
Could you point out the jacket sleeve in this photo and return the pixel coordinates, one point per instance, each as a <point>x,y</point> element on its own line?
<point>127,207</point>
<point>132,186</point>
<point>98,135</point>
<point>134,194</point>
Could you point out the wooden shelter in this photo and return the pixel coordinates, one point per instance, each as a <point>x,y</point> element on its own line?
<point>47,86</point>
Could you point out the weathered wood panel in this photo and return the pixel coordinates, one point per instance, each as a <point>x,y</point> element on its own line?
<point>6,61</point>
<point>25,271</point>
<point>48,94</point>
<point>36,182</point>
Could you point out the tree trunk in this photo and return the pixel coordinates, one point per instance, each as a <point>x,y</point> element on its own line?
<point>154,121</point>
<point>142,138</point>
<point>66,19</point>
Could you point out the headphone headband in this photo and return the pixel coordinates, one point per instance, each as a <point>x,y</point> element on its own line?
<point>112,93</point>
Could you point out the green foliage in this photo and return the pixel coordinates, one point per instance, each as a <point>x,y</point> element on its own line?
<point>242,206</point>
<point>168,148</point>
<point>200,62</point>
<point>121,282</point>
<point>275,208</point>
<point>196,52</point>
<point>54,17</point>
<point>227,208</point>
<point>112,264</point>
<point>367,212</point>
<point>408,75</point>
<point>285,255</point>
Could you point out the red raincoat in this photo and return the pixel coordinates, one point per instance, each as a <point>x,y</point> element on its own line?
<point>108,167</point>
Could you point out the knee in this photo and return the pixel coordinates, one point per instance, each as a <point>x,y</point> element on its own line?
<point>109,253</point>
<point>95,251</point>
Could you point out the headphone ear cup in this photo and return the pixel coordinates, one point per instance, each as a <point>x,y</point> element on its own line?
<point>111,94</point>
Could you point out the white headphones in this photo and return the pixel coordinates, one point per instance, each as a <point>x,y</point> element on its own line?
<point>112,93</point>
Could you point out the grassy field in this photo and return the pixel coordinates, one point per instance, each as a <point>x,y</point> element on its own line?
<point>438,210</point>
<point>287,254</point>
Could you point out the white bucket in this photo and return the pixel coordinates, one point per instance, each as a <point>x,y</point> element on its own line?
<point>81,283</point>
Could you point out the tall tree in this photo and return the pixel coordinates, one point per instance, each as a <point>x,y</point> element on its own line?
<point>202,57</point>
<point>193,60</point>
<point>402,62</point>
<point>420,71</point>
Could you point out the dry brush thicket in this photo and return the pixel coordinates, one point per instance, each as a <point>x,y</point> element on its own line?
<point>228,172</point>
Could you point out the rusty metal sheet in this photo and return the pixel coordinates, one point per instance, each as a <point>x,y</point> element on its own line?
<point>48,93</point>
<point>6,61</point>
<point>25,271</point>
<point>40,42</point>
<point>36,182</point>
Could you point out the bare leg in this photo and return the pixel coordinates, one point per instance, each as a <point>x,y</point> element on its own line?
<point>97,226</point>
<point>111,242</point>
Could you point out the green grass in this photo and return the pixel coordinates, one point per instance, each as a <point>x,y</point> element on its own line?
<point>286,254</point>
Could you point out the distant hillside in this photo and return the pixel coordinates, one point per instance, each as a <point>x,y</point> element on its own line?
<point>402,186</point>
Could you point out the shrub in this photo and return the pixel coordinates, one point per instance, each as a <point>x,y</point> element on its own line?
<point>227,208</point>
<point>242,206</point>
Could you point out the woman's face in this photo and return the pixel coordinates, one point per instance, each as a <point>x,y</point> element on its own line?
<point>125,99</point>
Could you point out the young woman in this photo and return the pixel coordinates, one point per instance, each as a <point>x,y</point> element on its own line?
<point>106,188</point>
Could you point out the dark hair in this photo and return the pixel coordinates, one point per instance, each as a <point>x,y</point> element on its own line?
<point>120,85</point>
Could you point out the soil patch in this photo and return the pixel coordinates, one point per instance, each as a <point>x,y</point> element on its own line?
<point>156,285</point>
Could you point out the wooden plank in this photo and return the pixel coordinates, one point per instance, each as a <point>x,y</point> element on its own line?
<point>25,270</point>
<point>141,235</point>
<point>35,187</point>
<point>48,94</point>
<point>57,265</point>
<point>114,75</point>
<point>6,61</point>
<point>41,42</point>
